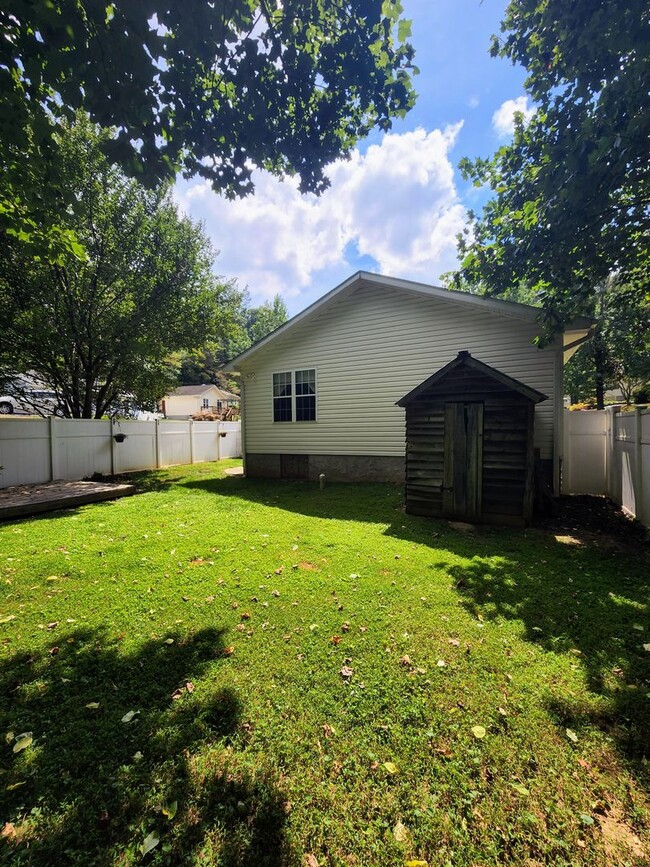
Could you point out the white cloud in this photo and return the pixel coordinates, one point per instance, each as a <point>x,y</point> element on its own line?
<point>503,119</point>
<point>473,101</point>
<point>397,204</point>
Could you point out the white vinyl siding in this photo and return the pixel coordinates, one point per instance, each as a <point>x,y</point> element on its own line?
<point>370,349</point>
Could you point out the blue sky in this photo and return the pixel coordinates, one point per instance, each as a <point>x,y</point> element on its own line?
<point>396,206</point>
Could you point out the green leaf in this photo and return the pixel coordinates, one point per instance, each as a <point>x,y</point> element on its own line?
<point>169,809</point>
<point>478,732</point>
<point>23,741</point>
<point>586,819</point>
<point>129,716</point>
<point>391,768</point>
<point>404,29</point>
<point>150,842</point>
<point>572,736</point>
<point>520,788</point>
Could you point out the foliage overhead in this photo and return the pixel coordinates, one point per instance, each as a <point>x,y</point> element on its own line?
<point>201,88</point>
<point>571,200</point>
<point>103,326</point>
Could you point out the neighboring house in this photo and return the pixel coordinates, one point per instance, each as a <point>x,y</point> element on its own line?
<point>319,394</point>
<point>189,400</point>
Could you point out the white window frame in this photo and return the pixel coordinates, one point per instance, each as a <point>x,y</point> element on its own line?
<point>293,396</point>
<point>205,403</point>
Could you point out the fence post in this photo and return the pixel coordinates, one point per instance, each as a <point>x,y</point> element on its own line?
<point>191,440</point>
<point>53,463</point>
<point>638,458</point>
<point>218,439</point>
<point>157,443</point>
<point>111,432</point>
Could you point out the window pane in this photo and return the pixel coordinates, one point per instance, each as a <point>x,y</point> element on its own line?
<point>306,408</point>
<point>306,382</point>
<point>281,409</point>
<point>282,384</point>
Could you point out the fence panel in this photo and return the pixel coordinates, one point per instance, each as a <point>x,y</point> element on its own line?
<point>138,450</point>
<point>619,442</point>
<point>80,448</point>
<point>585,453</point>
<point>25,455</point>
<point>174,445</point>
<point>33,451</point>
<point>231,443</point>
<point>206,440</point>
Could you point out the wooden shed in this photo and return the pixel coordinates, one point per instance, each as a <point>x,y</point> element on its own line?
<point>469,444</point>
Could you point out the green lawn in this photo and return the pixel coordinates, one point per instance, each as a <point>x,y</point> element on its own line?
<point>259,673</point>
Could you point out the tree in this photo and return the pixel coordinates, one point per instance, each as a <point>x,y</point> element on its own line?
<point>618,355</point>
<point>246,325</point>
<point>103,326</point>
<point>207,87</point>
<point>571,200</point>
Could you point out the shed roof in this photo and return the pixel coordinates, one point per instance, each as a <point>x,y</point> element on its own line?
<point>575,333</point>
<point>465,360</point>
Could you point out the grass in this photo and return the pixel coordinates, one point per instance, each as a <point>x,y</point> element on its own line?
<point>311,674</point>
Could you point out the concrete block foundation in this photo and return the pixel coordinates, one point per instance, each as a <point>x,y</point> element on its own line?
<point>336,468</point>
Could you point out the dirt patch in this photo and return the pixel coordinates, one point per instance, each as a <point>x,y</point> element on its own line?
<point>619,838</point>
<point>589,520</point>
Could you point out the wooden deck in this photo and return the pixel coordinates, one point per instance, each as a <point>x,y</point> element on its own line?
<point>20,500</point>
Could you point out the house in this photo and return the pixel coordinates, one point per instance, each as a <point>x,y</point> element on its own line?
<point>188,400</point>
<point>321,393</point>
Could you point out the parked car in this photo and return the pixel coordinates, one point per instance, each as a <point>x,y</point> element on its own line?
<point>8,405</point>
<point>33,402</point>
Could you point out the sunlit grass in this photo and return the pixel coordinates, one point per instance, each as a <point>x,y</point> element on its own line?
<point>309,671</point>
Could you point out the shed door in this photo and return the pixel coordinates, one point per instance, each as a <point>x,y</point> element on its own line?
<point>461,493</point>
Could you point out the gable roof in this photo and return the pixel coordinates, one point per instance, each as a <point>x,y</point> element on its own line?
<point>465,360</point>
<point>579,329</point>
<point>199,390</point>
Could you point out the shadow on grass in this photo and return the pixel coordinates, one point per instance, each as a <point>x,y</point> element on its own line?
<point>575,589</point>
<point>95,782</point>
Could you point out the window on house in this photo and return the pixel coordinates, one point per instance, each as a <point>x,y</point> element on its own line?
<point>282,397</point>
<point>219,404</point>
<point>205,403</point>
<point>294,395</point>
<point>305,395</point>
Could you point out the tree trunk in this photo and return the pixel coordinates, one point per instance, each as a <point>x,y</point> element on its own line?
<point>600,359</point>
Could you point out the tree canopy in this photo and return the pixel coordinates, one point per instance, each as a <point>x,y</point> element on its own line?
<point>204,87</point>
<point>571,193</point>
<point>101,327</point>
<point>246,325</point>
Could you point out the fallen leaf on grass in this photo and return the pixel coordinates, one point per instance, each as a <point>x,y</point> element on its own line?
<point>150,842</point>
<point>328,730</point>
<point>335,639</point>
<point>417,863</point>
<point>7,618</point>
<point>23,741</point>
<point>391,767</point>
<point>169,641</point>
<point>520,788</point>
<point>92,705</point>
<point>572,736</point>
<point>646,647</point>
<point>311,861</point>
<point>129,716</point>
<point>346,672</point>
<point>228,651</point>
<point>405,660</point>
<point>478,732</point>
<point>16,785</point>
<point>454,641</point>
<point>169,809</point>
<point>345,627</point>
<point>400,832</point>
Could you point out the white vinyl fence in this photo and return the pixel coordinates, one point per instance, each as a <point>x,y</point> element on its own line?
<point>33,451</point>
<point>608,452</point>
